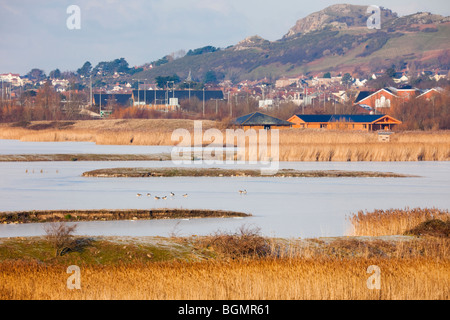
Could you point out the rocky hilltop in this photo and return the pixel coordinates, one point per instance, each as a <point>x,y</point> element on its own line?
<point>338,16</point>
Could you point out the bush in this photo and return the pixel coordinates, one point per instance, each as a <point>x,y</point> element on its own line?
<point>246,242</point>
<point>434,227</point>
<point>60,236</point>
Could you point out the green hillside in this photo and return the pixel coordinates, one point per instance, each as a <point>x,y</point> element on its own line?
<point>323,42</point>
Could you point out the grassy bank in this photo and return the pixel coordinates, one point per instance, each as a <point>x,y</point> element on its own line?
<point>295,144</point>
<point>216,172</point>
<point>104,215</point>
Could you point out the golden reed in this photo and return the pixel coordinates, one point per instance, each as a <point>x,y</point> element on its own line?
<point>392,221</point>
<point>279,279</point>
<point>294,144</point>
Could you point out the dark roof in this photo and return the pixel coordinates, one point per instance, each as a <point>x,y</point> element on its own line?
<point>362,95</point>
<point>123,99</point>
<point>261,119</point>
<point>340,117</point>
<point>162,96</point>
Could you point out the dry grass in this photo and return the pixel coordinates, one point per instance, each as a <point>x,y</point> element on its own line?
<point>295,144</point>
<point>241,265</point>
<point>265,279</point>
<point>393,221</point>
<point>302,145</point>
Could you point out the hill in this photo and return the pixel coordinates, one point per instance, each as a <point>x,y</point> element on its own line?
<point>334,39</point>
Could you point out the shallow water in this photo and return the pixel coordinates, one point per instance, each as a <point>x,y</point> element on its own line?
<point>282,207</point>
<point>26,147</point>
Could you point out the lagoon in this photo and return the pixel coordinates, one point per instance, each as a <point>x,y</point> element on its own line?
<point>280,207</point>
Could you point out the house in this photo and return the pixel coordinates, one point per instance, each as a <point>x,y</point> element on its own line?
<point>431,94</point>
<point>400,77</point>
<point>258,120</point>
<point>365,122</point>
<point>382,98</point>
<point>440,75</point>
<point>386,97</point>
<point>13,78</point>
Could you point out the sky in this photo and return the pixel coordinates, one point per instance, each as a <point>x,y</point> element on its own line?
<point>35,34</point>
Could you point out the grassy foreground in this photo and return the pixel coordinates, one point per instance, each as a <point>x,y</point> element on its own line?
<point>241,265</point>
<point>199,268</point>
<point>294,144</point>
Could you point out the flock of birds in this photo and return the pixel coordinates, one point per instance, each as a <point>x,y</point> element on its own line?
<point>157,198</point>
<point>173,195</point>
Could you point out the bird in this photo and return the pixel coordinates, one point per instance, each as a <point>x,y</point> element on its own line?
<point>185,195</point>
<point>164,198</point>
<point>172,194</point>
<point>157,198</point>
<point>243,191</point>
<point>148,194</point>
<point>138,194</point>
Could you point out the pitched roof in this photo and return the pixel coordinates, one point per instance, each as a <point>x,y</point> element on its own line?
<point>260,119</point>
<point>362,118</point>
<point>362,95</point>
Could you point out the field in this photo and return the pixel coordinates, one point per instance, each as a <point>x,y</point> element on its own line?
<point>294,144</point>
<point>241,265</point>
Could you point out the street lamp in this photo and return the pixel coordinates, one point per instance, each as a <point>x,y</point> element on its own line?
<point>139,95</point>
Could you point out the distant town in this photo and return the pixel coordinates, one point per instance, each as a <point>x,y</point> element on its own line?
<point>111,90</point>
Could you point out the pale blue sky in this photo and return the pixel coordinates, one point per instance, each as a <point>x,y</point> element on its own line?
<point>34,33</point>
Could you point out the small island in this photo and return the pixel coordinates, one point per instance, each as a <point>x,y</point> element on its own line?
<point>216,172</point>
<point>108,215</point>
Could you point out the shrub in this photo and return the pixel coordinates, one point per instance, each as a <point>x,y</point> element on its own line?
<point>60,236</point>
<point>246,242</point>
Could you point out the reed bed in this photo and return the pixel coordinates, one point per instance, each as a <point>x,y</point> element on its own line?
<point>294,144</point>
<point>231,266</point>
<point>264,279</point>
<point>393,221</point>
